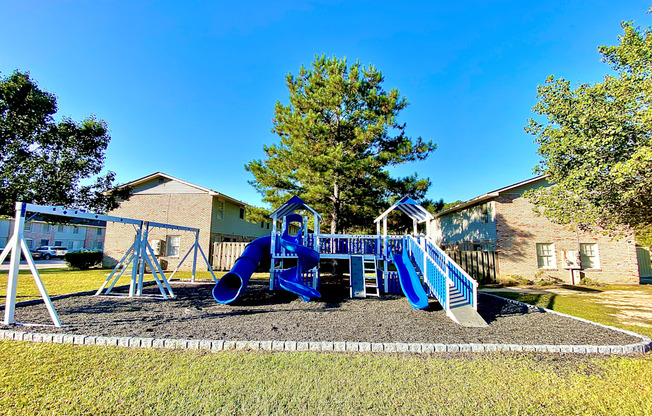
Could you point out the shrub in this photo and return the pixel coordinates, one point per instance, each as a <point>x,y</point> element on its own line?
<point>544,280</point>
<point>83,260</point>
<point>516,280</point>
<point>585,281</point>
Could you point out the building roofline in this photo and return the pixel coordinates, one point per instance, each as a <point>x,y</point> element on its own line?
<point>201,188</point>
<point>489,195</point>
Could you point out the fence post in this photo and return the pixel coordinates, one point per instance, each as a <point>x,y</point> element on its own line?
<point>425,260</point>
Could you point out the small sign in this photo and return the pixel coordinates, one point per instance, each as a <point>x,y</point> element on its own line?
<point>571,260</point>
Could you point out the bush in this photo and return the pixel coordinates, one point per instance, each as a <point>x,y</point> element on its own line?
<point>585,281</point>
<point>516,280</point>
<point>83,260</point>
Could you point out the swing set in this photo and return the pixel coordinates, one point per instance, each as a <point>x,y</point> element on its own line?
<point>139,254</point>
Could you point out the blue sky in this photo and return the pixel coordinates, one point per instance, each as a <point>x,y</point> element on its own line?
<point>188,88</point>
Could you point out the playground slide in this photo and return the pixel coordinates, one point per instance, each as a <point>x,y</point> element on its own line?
<point>410,282</point>
<point>232,284</point>
<point>229,287</point>
<point>290,279</point>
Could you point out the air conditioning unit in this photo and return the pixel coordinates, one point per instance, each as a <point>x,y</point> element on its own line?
<point>158,247</point>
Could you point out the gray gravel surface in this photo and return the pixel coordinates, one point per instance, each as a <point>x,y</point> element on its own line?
<point>260,314</point>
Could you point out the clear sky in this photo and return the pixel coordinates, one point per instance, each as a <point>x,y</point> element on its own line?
<point>188,87</point>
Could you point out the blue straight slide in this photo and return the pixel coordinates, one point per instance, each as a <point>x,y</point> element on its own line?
<point>410,282</point>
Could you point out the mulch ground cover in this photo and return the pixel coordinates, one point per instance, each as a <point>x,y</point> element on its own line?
<point>263,315</point>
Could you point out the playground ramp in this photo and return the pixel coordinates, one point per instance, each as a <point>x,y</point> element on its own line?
<point>463,313</point>
<point>446,279</point>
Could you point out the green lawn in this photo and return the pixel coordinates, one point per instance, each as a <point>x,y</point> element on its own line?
<point>55,379</point>
<point>67,379</point>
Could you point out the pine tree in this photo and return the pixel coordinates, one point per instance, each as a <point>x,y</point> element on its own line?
<point>338,136</point>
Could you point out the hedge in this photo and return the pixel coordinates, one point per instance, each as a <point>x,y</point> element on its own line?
<point>83,260</point>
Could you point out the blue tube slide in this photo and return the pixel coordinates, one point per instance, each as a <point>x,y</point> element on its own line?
<point>290,279</point>
<point>232,284</point>
<point>229,287</point>
<point>410,282</point>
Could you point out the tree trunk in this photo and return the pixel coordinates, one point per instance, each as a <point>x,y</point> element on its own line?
<point>335,215</point>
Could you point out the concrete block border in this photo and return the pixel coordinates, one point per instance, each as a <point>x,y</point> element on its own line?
<point>335,346</point>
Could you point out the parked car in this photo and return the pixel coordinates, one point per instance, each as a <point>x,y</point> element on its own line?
<point>81,250</point>
<point>47,252</point>
<point>36,255</point>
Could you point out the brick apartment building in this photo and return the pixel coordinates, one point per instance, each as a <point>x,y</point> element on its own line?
<point>75,235</point>
<point>162,198</point>
<point>528,245</point>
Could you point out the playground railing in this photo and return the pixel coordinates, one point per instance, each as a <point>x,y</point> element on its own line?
<point>465,284</point>
<point>394,245</point>
<point>349,244</point>
<point>433,275</point>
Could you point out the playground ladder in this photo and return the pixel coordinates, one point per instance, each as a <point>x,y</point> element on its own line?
<point>371,283</point>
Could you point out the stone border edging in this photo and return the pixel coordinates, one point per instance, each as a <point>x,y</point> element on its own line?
<point>333,346</point>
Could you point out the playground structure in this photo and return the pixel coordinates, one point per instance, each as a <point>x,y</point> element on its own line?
<point>411,264</point>
<point>138,255</point>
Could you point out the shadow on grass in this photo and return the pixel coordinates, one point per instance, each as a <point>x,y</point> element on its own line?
<point>581,289</point>
<point>541,300</point>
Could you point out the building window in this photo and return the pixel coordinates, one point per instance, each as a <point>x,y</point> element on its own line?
<point>546,256</point>
<point>99,231</point>
<point>242,213</point>
<point>589,256</point>
<point>75,230</point>
<point>29,243</point>
<point>173,243</point>
<point>220,210</point>
<point>28,226</point>
<point>60,228</point>
<point>58,242</point>
<point>268,226</point>
<point>484,213</point>
<point>45,228</point>
<point>45,242</point>
<point>98,245</point>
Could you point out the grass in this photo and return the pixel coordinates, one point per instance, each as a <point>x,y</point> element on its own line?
<point>70,379</point>
<point>53,379</point>
<point>582,304</point>
<point>56,282</point>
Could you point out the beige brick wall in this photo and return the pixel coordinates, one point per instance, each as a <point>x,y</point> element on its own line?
<point>190,210</point>
<point>519,229</point>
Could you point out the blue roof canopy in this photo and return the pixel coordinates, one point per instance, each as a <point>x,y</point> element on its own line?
<point>293,204</point>
<point>409,207</point>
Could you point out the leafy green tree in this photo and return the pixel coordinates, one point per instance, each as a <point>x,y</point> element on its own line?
<point>43,161</point>
<point>596,143</point>
<point>338,135</point>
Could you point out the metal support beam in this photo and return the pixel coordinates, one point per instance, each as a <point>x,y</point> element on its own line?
<point>15,247</point>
